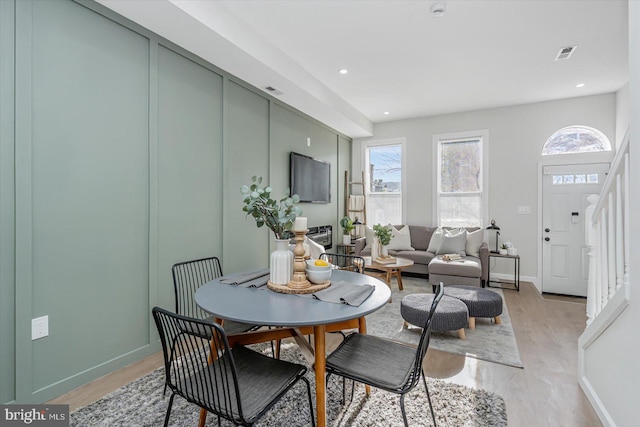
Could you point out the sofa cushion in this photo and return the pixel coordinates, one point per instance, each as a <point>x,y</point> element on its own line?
<point>453,242</point>
<point>436,240</point>
<point>401,240</point>
<point>420,236</point>
<point>468,267</point>
<point>418,257</point>
<point>474,241</point>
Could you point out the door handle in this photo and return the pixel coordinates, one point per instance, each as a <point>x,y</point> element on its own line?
<point>546,239</point>
<point>546,230</point>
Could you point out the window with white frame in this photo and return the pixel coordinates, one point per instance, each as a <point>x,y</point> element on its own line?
<point>460,194</point>
<point>576,139</point>
<point>383,162</point>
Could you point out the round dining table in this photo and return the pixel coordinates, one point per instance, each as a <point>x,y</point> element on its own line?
<point>295,315</point>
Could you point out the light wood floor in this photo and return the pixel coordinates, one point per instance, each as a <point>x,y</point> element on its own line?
<point>545,393</point>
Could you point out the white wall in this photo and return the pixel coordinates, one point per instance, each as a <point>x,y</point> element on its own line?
<point>611,362</point>
<point>516,137</point>
<point>623,106</point>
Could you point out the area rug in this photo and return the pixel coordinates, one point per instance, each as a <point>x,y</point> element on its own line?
<point>489,341</point>
<point>141,403</point>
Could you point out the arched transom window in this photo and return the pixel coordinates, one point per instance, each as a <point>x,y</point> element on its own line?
<point>576,139</point>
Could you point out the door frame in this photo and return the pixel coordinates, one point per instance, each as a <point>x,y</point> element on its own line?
<point>559,160</point>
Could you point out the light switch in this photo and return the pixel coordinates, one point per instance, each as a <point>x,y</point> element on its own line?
<point>308,142</point>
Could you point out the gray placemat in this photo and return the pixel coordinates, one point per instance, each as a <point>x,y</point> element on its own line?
<point>251,279</point>
<point>343,292</point>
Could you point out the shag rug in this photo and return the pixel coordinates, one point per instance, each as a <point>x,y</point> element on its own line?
<point>141,403</point>
<point>489,341</point>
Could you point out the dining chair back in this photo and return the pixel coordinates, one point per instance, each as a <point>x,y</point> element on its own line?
<point>345,262</point>
<point>188,276</point>
<point>385,364</point>
<point>237,384</point>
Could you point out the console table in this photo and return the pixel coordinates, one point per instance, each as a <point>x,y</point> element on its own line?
<point>516,270</point>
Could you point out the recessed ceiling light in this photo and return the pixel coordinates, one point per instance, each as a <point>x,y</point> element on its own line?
<point>344,71</point>
<point>438,10</point>
<point>580,85</point>
<point>386,113</point>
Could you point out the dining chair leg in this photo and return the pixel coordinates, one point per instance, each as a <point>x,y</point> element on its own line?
<point>313,418</point>
<point>404,413</point>
<point>166,417</point>
<point>433,414</point>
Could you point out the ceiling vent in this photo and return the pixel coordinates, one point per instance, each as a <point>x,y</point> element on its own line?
<point>273,91</point>
<point>565,52</point>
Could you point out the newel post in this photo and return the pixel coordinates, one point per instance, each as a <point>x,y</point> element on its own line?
<point>590,238</point>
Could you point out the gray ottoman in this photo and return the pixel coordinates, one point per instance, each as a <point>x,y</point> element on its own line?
<point>451,313</point>
<point>480,302</point>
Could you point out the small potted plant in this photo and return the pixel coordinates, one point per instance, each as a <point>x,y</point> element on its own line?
<point>503,249</point>
<point>347,227</point>
<point>384,236</point>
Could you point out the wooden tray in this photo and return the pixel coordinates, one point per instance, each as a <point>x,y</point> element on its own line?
<point>284,289</point>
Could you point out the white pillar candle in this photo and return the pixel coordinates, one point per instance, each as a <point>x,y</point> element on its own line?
<point>300,224</point>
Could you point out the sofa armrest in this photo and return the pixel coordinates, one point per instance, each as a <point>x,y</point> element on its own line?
<point>359,245</point>
<point>484,261</point>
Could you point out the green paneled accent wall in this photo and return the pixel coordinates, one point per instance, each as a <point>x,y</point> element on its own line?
<point>7,218</point>
<point>189,165</point>
<point>126,156</point>
<point>246,155</point>
<point>89,178</point>
<point>289,132</point>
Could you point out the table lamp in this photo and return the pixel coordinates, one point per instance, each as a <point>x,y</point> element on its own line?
<point>493,226</point>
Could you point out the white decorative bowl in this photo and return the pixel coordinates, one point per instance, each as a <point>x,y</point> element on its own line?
<point>311,266</point>
<point>319,276</point>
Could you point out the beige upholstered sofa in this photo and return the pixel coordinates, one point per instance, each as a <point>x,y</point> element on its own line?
<point>472,270</point>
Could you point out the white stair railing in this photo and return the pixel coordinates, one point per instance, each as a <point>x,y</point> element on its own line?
<point>606,231</point>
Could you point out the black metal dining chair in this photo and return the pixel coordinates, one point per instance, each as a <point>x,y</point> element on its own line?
<point>237,384</point>
<point>385,364</point>
<point>344,262</point>
<point>188,276</point>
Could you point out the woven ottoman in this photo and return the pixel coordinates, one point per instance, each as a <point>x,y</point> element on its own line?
<point>480,302</point>
<point>451,313</point>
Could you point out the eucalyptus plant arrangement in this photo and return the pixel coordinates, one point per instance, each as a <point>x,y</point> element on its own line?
<point>347,225</point>
<point>279,216</point>
<point>383,233</point>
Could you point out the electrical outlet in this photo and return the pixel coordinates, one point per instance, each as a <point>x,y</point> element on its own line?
<point>308,142</point>
<point>524,210</point>
<point>39,327</point>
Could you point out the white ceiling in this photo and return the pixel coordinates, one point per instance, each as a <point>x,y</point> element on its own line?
<point>480,54</point>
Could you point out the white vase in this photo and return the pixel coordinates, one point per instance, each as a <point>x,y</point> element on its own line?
<point>346,239</point>
<point>375,249</point>
<point>503,251</point>
<point>512,251</point>
<point>384,251</point>
<point>281,263</point>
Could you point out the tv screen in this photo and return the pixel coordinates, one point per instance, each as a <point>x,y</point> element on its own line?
<point>310,179</point>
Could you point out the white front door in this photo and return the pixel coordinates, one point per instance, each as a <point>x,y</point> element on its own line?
<point>564,200</point>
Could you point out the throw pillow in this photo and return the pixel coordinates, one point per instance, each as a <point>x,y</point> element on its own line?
<point>474,241</point>
<point>453,243</point>
<point>436,239</point>
<point>401,240</point>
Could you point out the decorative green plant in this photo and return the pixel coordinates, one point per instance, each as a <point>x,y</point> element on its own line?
<point>503,246</point>
<point>383,233</point>
<point>279,216</point>
<point>347,225</point>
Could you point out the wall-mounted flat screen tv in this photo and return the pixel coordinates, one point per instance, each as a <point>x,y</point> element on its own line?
<point>310,179</point>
